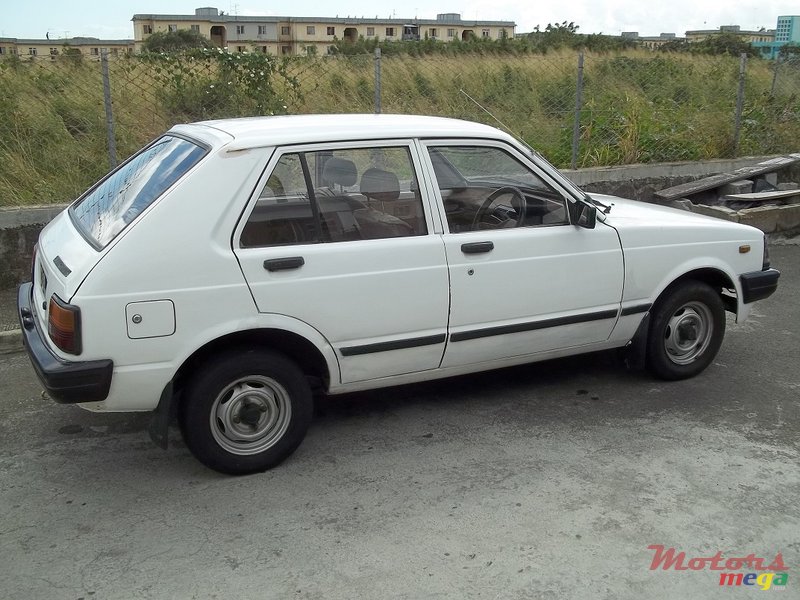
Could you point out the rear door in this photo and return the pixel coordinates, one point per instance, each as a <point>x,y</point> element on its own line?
<point>340,237</point>
<point>523,279</point>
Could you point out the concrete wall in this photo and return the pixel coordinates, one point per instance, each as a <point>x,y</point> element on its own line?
<point>19,228</point>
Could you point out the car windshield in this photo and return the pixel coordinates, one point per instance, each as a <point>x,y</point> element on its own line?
<point>119,198</point>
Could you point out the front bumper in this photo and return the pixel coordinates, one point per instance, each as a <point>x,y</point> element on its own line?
<point>65,381</point>
<point>759,284</point>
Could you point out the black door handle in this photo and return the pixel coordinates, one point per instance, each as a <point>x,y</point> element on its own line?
<point>477,247</point>
<point>284,264</point>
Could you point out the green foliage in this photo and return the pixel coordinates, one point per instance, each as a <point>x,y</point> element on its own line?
<point>204,83</point>
<point>637,106</point>
<point>175,41</point>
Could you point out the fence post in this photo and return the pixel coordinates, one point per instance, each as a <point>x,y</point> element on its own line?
<point>739,104</point>
<point>377,81</point>
<point>576,125</point>
<point>777,65</point>
<point>112,143</point>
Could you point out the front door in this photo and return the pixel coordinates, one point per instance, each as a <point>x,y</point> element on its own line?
<point>339,237</point>
<point>523,279</point>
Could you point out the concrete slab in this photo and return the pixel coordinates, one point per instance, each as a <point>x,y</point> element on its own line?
<point>715,181</point>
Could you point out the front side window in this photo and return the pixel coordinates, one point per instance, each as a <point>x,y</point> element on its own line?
<point>485,187</point>
<point>240,29</point>
<point>311,30</point>
<point>331,31</point>
<point>337,196</point>
<point>117,200</point>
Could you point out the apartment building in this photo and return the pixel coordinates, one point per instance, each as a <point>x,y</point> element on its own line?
<point>762,35</point>
<point>304,35</point>
<point>651,42</point>
<point>89,47</point>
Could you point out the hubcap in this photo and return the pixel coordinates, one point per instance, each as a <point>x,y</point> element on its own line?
<point>688,333</point>
<point>250,415</point>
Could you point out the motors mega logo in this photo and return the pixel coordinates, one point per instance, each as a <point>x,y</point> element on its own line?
<point>762,574</point>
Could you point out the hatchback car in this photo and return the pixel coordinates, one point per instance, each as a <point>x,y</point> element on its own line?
<point>231,268</point>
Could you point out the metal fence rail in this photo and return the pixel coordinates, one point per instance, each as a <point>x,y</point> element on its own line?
<point>63,121</point>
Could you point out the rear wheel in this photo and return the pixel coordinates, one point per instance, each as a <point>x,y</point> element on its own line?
<point>686,331</point>
<point>246,411</point>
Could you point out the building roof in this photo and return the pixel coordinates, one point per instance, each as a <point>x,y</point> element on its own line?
<point>254,132</point>
<point>75,41</point>
<point>338,20</point>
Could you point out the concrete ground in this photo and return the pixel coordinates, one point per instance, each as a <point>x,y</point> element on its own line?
<point>544,481</point>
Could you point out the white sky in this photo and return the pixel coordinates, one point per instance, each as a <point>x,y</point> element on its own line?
<point>111,19</point>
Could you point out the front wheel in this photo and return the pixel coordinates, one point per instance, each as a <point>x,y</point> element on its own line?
<point>686,331</point>
<point>246,411</point>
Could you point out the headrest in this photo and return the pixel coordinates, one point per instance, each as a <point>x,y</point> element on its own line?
<point>380,185</point>
<point>340,171</point>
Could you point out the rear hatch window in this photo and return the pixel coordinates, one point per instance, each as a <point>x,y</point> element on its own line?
<point>112,204</point>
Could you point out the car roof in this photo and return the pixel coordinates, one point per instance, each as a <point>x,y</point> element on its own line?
<point>253,132</point>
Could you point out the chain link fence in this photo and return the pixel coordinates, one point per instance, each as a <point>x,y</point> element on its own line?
<point>65,121</point>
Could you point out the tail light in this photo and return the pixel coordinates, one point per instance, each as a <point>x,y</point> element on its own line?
<point>765,261</point>
<point>64,325</point>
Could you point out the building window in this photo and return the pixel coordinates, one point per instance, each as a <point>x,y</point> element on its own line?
<point>390,32</point>
<point>32,51</point>
<point>172,28</point>
<point>2,50</point>
<point>331,30</point>
<point>451,33</point>
<point>262,30</point>
<point>311,30</point>
<point>241,49</point>
<point>432,33</point>
<point>53,51</point>
<point>264,50</point>
<point>195,28</point>
<point>240,30</point>
<point>285,30</point>
<point>147,29</point>
<point>370,32</point>
<point>286,49</point>
<point>115,51</point>
<point>311,50</point>
<point>485,33</point>
<point>94,51</point>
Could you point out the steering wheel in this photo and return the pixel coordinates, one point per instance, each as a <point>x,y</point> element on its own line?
<point>515,193</point>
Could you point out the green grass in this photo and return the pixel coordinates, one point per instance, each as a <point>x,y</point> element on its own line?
<point>637,106</point>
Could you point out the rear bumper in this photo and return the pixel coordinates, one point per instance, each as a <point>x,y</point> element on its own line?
<point>759,284</point>
<point>65,381</point>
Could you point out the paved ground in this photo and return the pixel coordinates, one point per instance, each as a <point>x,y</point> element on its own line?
<point>546,481</point>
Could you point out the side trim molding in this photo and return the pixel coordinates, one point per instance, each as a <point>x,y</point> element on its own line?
<point>463,336</point>
<point>428,340</point>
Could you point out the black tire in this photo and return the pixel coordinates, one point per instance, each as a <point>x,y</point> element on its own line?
<point>686,330</point>
<point>245,411</point>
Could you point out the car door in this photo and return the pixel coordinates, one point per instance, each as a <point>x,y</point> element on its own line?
<point>523,279</point>
<point>340,237</point>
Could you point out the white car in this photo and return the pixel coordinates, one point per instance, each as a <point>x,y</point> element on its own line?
<point>231,267</point>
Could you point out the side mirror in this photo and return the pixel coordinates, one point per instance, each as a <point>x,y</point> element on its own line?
<point>583,214</point>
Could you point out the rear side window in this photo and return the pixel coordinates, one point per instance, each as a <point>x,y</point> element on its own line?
<point>337,195</point>
<point>117,200</point>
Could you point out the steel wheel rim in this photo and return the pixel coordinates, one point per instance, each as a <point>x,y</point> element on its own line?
<point>250,415</point>
<point>688,333</point>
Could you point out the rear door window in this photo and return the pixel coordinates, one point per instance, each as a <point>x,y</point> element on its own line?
<point>119,198</point>
<point>337,195</point>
